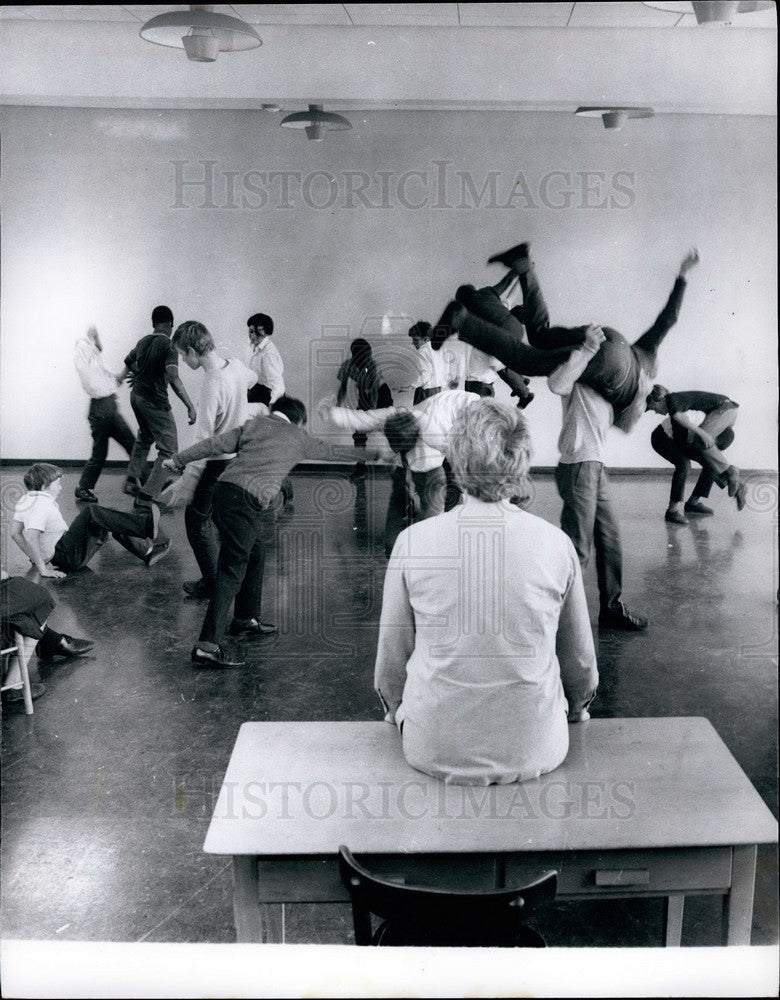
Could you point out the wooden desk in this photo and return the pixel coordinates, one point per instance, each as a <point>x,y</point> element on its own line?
<point>640,807</point>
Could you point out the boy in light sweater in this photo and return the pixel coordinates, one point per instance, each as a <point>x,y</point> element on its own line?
<point>222,406</point>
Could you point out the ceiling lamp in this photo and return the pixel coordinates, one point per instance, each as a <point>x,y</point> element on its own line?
<point>713,11</point>
<point>201,32</point>
<point>316,122</point>
<point>614,117</point>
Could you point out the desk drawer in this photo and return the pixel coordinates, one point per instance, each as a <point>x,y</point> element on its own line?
<point>304,878</point>
<point>617,873</point>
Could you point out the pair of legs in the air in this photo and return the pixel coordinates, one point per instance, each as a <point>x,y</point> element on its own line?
<point>682,447</point>
<point>600,357</point>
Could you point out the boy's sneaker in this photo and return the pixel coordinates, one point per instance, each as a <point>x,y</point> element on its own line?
<point>85,495</point>
<point>156,552</point>
<point>131,487</point>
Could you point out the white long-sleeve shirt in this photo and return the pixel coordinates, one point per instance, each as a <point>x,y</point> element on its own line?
<point>436,416</point>
<point>96,380</point>
<point>484,644</point>
<point>266,361</point>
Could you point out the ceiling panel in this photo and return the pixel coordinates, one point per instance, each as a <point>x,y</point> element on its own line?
<point>484,15</point>
<point>89,12</point>
<point>421,14</point>
<point>298,13</point>
<point>528,15</point>
<point>621,15</point>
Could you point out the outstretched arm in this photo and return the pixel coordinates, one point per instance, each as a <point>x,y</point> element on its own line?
<point>652,339</point>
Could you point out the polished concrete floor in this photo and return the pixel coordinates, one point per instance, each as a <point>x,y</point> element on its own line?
<point>108,788</point>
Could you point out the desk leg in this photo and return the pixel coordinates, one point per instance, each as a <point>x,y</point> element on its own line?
<point>254,923</point>
<point>739,901</point>
<point>673,919</point>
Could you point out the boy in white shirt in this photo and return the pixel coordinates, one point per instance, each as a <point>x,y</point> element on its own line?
<point>105,420</point>
<point>54,549</point>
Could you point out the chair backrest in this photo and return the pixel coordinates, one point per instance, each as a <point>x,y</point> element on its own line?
<point>440,917</point>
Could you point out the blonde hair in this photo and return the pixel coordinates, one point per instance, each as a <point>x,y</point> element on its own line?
<point>490,450</point>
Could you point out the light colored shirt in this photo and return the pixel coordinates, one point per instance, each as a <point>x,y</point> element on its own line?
<point>38,511</point>
<point>96,380</point>
<point>481,367</point>
<point>484,644</point>
<point>435,415</point>
<point>223,403</point>
<point>587,417</point>
<point>432,369</point>
<point>455,355</point>
<point>266,361</point>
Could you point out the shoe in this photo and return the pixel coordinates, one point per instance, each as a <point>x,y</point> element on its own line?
<point>675,517</point>
<point>66,645</point>
<point>197,589</point>
<point>17,694</point>
<point>740,495</point>
<point>252,629</point>
<point>131,487</point>
<point>508,257</point>
<point>142,500</point>
<point>731,476</point>
<point>523,401</point>
<point>85,495</point>
<point>155,553</point>
<point>619,617</point>
<point>213,658</point>
<point>697,507</point>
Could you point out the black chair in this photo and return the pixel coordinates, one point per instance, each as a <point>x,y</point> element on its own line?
<point>427,916</point>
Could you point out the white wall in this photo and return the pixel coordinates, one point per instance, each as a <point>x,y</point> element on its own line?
<point>95,229</point>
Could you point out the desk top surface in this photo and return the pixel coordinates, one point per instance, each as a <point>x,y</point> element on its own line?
<point>306,787</point>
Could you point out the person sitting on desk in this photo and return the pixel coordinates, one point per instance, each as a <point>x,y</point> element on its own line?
<point>481,661</point>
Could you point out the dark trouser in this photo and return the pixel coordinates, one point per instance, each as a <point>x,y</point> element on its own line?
<point>430,487</point>
<point>155,426</point>
<point>106,424</point>
<point>479,388</point>
<point>25,606</point>
<point>259,394</point>
<point>245,529</point>
<point>589,521</point>
<point>199,522</point>
<point>613,371</point>
<point>681,452</point>
<point>489,326</point>
<point>420,394</point>
<point>91,528</point>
